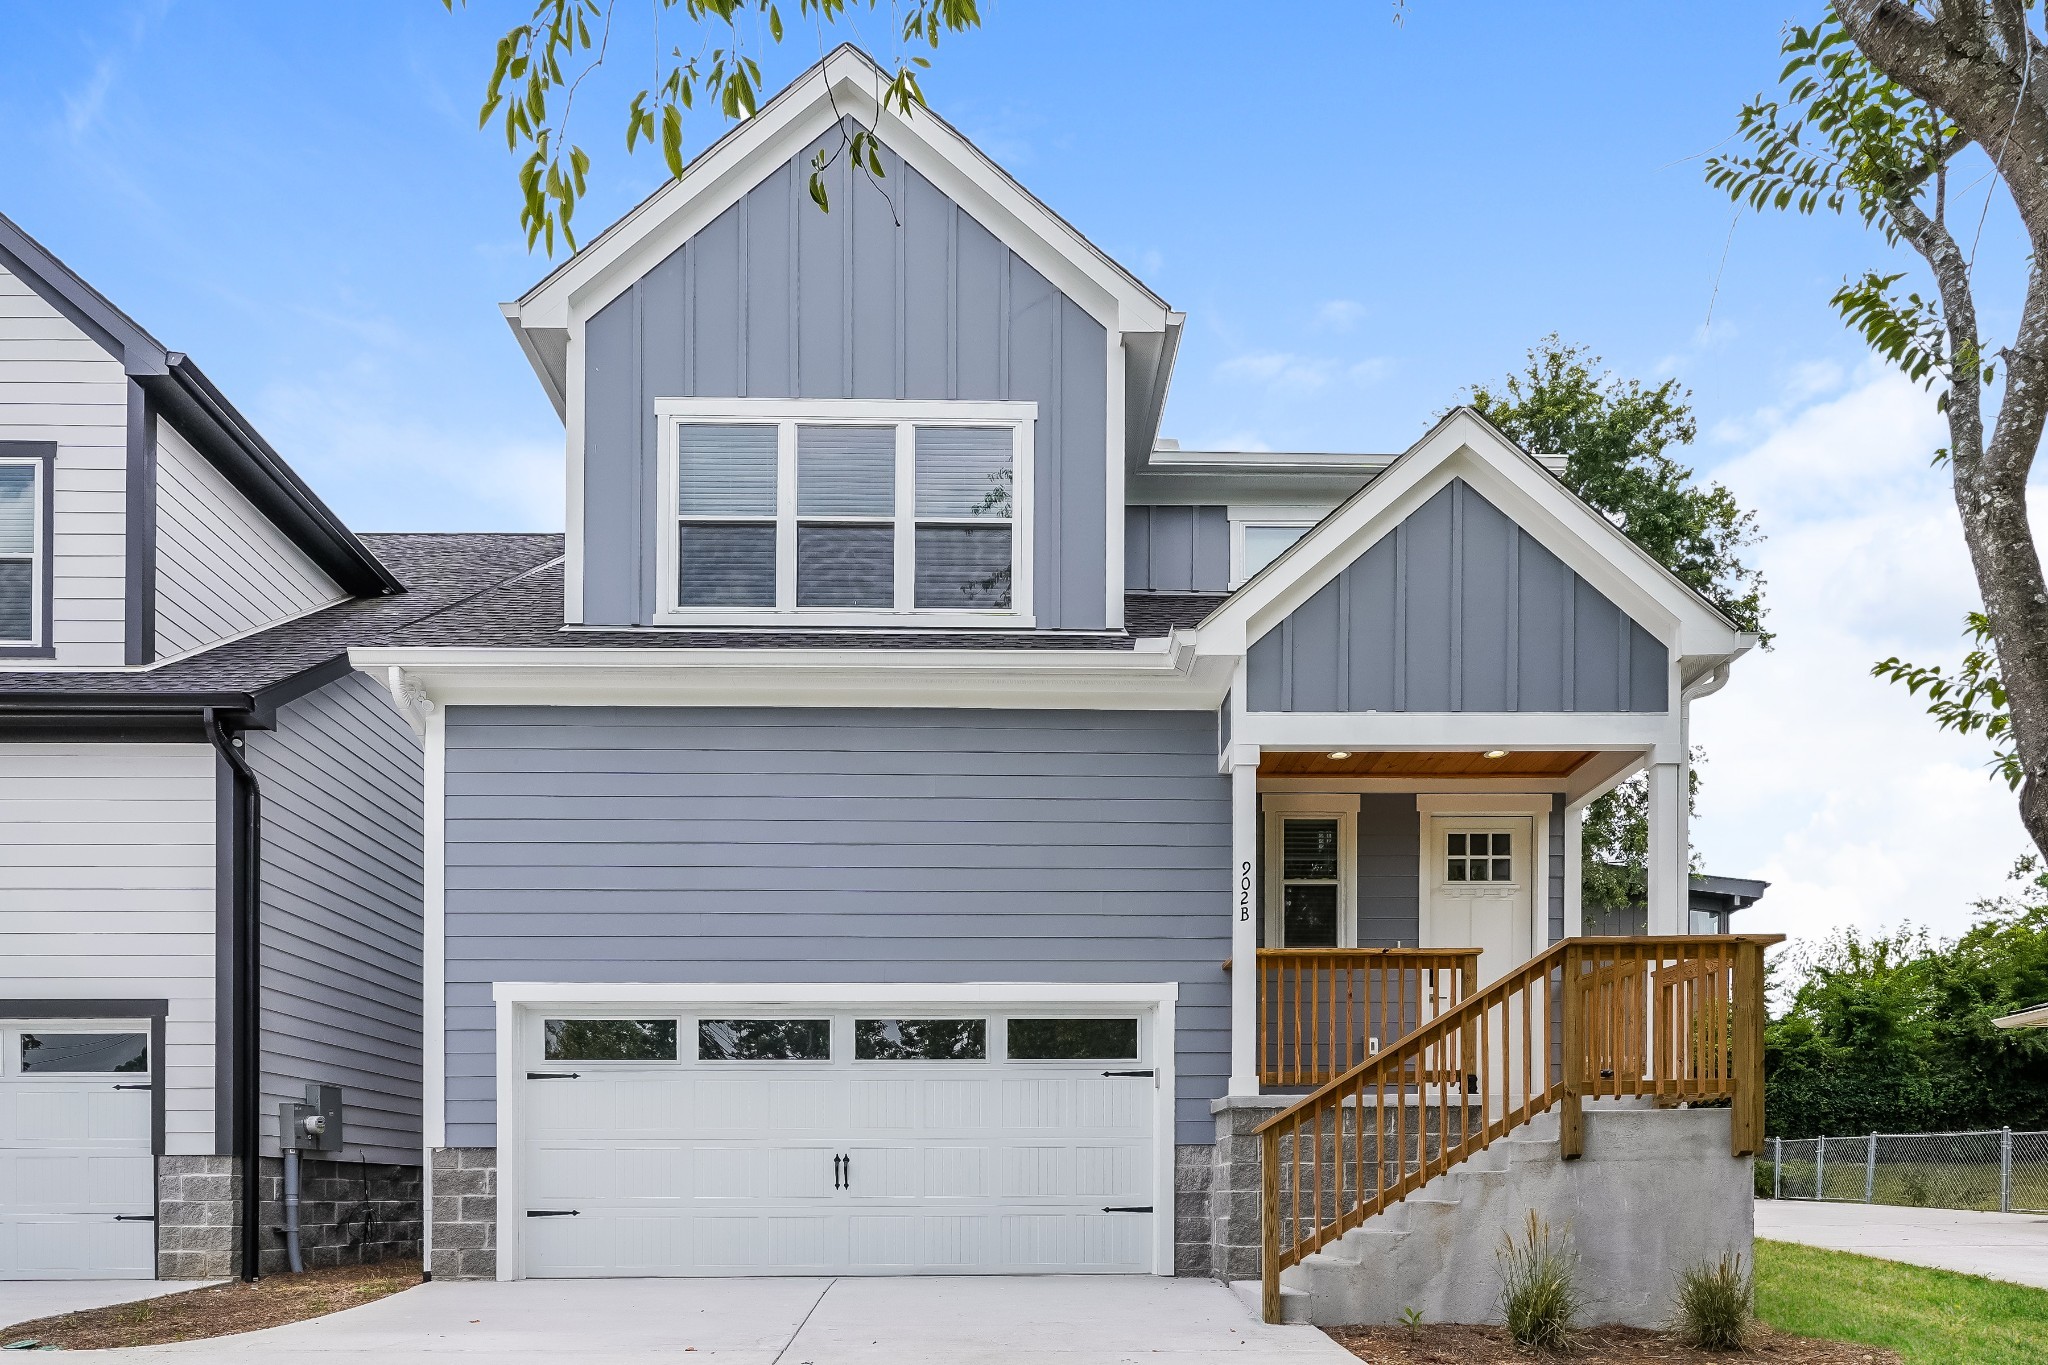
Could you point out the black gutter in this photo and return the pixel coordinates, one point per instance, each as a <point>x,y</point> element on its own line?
<point>246,861</point>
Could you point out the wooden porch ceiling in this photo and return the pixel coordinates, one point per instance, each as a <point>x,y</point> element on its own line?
<point>1535,763</point>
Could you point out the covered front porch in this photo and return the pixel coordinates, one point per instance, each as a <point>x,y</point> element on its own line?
<point>1378,888</point>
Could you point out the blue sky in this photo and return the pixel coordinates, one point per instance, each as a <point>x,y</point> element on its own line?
<point>1360,219</point>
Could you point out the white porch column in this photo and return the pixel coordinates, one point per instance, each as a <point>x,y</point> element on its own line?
<point>1668,850</point>
<point>1244,929</point>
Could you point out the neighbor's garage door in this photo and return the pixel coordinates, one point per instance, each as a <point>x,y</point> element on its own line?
<point>76,1174</point>
<point>848,1142</point>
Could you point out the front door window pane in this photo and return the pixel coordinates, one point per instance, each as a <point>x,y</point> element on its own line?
<point>1474,856</point>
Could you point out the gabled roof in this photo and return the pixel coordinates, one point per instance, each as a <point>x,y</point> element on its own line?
<point>1463,444</point>
<point>181,392</point>
<point>844,84</point>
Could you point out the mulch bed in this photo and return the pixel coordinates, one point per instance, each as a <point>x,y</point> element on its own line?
<point>219,1311</point>
<point>1443,1345</point>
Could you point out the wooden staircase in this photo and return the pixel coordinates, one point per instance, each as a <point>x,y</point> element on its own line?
<point>1678,1020</point>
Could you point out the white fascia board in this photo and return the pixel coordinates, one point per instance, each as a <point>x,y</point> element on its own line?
<point>1172,678</point>
<point>1422,731</point>
<point>844,84</point>
<point>985,993</point>
<point>1463,446</point>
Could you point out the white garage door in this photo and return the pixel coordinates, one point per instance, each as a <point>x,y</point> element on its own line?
<point>844,1142</point>
<point>76,1174</point>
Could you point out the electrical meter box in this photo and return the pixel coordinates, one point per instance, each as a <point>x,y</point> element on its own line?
<point>312,1124</point>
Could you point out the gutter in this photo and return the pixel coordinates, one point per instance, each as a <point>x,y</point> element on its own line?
<point>246,828</point>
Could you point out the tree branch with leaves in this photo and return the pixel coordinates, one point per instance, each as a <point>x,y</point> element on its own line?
<point>1881,98</point>
<point>542,63</point>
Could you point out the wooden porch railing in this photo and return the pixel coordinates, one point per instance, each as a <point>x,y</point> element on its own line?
<point>1679,1019</point>
<point>1322,1011</point>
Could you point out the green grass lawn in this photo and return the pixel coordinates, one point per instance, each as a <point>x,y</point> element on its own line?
<point>1930,1317</point>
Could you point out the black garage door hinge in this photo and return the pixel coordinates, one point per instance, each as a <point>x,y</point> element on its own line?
<point>140,1085</point>
<point>135,1218</point>
<point>1147,1072</point>
<point>553,1213</point>
<point>1128,1208</point>
<point>551,1075</point>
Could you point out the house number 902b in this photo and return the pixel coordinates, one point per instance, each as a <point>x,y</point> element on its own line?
<point>1244,891</point>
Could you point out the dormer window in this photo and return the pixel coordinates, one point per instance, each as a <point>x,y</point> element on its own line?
<point>845,513</point>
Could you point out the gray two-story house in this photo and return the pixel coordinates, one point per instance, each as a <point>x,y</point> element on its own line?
<point>881,840</point>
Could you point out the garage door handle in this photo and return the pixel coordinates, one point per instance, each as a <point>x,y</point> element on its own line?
<point>551,1075</point>
<point>135,1218</point>
<point>144,1085</point>
<point>553,1213</point>
<point>1129,1073</point>
<point>1128,1208</point>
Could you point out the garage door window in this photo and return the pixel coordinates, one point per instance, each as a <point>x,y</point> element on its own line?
<point>59,1053</point>
<point>609,1040</point>
<point>920,1040</point>
<point>764,1040</point>
<point>1074,1040</point>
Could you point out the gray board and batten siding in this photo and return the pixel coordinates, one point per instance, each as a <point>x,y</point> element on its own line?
<point>895,293</point>
<point>341,776</point>
<point>1458,609</point>
<point>1177,549</point>
<point>916,846</point>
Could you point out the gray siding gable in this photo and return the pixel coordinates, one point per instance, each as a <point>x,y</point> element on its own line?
<point>834,845</point>
<point>1458,609</point>
<point>1177,549</point>
<point>897,292</point>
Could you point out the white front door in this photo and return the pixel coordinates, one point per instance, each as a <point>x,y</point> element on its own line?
<point>1481,873</point>
<point>831,1142</point>
<point>77,1193</point>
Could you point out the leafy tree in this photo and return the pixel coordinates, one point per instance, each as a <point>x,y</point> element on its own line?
<point>1616,436</point>
<point>1970,700</point>
<point>1881,99</point>
<point>553,52</point>
<point>1893,1033</point>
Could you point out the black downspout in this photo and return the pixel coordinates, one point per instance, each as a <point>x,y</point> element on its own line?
<point>247,981</point>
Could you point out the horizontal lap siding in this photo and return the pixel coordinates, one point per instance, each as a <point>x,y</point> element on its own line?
<point>834,846</point>
<point>57,384</point>
<point>342,793</point>
<point>107,892</point>
<point>221,567</point>
<point>897,293</point>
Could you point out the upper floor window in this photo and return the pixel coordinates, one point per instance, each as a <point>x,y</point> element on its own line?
<point>23,554</point>
<point>1255,544</point>
<point>845,512</point>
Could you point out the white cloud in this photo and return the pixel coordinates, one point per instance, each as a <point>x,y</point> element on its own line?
<point>1340,315</point>
<point>1281,371</point>
<point>1831,784</point>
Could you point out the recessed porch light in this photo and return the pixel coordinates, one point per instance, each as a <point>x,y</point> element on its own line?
<point>1340,753</point>
<point>1496,753</point>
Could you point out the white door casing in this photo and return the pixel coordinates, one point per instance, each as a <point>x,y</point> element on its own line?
<point>1508,922</point>
<point>77,1175</point>
<point>720,1168</point>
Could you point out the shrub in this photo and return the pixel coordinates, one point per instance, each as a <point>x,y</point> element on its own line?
<point>1913,1189</point>
<point>1539,1293</point>
<point>1716,1304</point>
<point>1765,1179</point>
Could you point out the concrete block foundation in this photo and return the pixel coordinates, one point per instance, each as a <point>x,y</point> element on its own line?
<point>465,1213</point>
<point>350,1212</point>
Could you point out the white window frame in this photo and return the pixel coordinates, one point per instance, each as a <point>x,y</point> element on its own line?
<point>905,416</point>
<point>1237,530</point>
<point>1341,807</point>
<point>38,590</point>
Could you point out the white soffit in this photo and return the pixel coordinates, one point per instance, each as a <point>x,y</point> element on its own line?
<point>1463,445</point>
<point>845,84</point>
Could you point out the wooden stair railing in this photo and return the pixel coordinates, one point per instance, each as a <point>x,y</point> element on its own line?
<point>1322,1011</point>
<point>1676,1018</point>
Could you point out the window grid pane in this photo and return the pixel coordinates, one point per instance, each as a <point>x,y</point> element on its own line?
<point>725,471</point>
<point>17,599</point>
<point>846,471</point>
<point>726,564</point>
<point>964,473</point>
<point>17,510</point>
<point>845,566</point>
<point>963,567</point>
<point>1475,857</point>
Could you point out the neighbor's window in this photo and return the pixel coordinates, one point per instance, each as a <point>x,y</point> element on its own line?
<point>1264,543</point>
<point>920,1040</point>
<point>764,1040</point>
<point>609,1040</point>
<point>21,503</point>
<point>1473,857</point>
<point>868,514</point>
<point>1074,1040</point>
<point>71,1052</point>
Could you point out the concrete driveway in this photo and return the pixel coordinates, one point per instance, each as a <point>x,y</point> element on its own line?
<point>2001,1246</point>
<point>27,1300</point>
<point>982,1320</point>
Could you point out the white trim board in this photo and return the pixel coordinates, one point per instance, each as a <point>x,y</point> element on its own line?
<point>512,998</point>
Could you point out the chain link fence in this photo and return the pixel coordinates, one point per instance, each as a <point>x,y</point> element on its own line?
<point>1996,1170</point>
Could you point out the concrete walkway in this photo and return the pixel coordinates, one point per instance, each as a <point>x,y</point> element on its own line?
<point>982,1320</point>
<point>27,1300</point>
<point>2001,1246</point>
